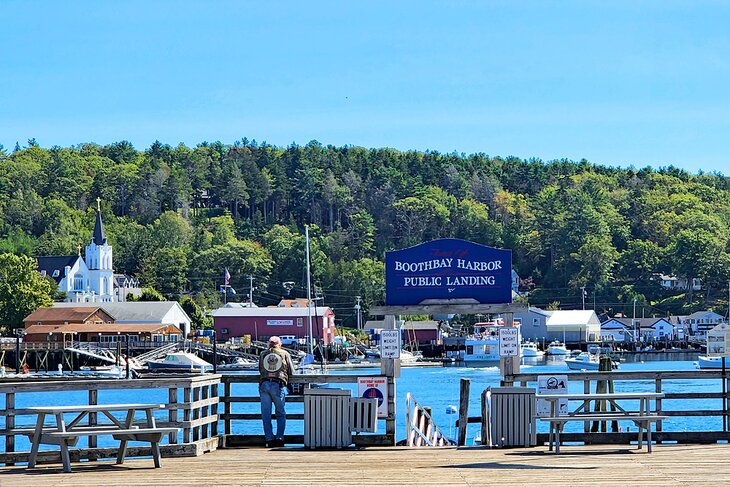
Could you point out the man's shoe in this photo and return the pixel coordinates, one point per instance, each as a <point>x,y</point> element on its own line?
<point>278,442</point>
<point>269,443</point>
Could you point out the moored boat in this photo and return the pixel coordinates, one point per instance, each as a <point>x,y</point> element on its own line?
<point>586,361</point>
<point>529,349</point>
<point>557,348</point>
<point>181,362</point>
<point>707,362</point>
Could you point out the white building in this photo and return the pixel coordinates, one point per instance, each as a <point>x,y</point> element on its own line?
<point>89,279</point>
<point>573,326</point>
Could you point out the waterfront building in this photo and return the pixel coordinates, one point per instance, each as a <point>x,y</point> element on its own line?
<point>573,326</point>
<point>261,323</point>
<point>142,312</point>
<point>91,324</point>
<point>414,333</point>
<point>641,329</point>
<point>698,323</point>
<point>533,323</point>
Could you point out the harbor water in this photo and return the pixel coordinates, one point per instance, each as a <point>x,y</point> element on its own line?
<point>435,387</point>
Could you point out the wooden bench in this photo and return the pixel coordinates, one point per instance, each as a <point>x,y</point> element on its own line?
<point>153,436</point>
<point>642,421</point>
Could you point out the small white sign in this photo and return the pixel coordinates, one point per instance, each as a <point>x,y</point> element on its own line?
<point>279,322</point>
<point>552,384</point>
<point>718,341</point>
<point>509,341</point>
<point>390,344</point>
<point>375,387</point>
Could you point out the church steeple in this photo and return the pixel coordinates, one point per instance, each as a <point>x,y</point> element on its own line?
<point>99,238</point>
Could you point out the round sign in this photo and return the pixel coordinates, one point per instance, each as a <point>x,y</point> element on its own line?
<point>372,392</point>
<point>272,363</point>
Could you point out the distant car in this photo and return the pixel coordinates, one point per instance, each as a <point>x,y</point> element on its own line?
<point>289,340</point>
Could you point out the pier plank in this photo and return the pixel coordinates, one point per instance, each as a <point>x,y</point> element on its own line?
<point>604,465</point>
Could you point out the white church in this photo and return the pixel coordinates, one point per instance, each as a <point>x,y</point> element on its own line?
<point>90,279</point>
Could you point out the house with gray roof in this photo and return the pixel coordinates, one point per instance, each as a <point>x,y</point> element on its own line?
<point>143,312</point>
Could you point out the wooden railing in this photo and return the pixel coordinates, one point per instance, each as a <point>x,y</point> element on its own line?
<point>689,396</point>
<point>229,416</point>
<point>192,405</point>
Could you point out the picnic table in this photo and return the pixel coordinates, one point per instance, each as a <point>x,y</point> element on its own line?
<point>643,417</point>
<point>66,434</point>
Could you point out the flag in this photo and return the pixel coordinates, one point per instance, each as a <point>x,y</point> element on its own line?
<point>227,277</point>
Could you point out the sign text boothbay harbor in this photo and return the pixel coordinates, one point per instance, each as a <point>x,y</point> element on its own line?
<point>448,269</point>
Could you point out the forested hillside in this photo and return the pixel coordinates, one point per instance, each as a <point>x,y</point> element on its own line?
<point>177,216</point>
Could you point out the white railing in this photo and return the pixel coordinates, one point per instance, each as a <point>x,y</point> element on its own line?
<point>420,427</point>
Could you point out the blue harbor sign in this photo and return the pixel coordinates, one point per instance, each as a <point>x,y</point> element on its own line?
<point>448,269</point>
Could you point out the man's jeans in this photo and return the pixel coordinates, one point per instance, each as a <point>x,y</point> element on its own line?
<point>273,393</point>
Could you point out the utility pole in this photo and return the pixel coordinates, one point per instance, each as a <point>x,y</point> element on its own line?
<point>583,296</point>
<point>357,310</point>
<point>250,290</point>
<point>633,322</point>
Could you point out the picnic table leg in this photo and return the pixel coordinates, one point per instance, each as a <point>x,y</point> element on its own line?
<point>65,457</point>
<point>155,445</point>
<point>156,453</point>
<point>640,424</point>
<point>36,440</point>
<point>648,436</point>
<point>123,442</point>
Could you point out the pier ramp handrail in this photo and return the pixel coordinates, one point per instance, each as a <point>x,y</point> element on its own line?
<point>420,427</point>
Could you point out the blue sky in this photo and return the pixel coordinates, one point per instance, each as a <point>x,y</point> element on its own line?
<point>616,82</point>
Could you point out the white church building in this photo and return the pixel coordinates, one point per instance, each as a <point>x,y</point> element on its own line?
<point>90,279</point>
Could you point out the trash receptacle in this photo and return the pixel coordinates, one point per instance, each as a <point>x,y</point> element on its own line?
<point>512,416</point>
<point>326,418</point>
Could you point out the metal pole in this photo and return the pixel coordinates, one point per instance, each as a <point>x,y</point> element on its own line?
<point>129,376</point>
<point>17,351</point>
<point>215,354</point>
<point>309,290</point>
<point>357,308</point>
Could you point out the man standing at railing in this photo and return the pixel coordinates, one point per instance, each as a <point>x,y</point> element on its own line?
<point>275,367</point>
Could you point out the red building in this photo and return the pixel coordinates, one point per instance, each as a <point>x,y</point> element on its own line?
<point>261,323</point>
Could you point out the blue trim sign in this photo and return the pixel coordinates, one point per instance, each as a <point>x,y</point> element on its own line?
<point>448,269</point>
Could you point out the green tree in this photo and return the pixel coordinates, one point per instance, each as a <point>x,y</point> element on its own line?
<point>22,289</point>
<point>165,270</point>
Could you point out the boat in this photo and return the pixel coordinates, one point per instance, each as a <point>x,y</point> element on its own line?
<point>180,362</point>
<point>482,348</point>
<point>239,363</point>
<point>707,362</point>
<point>586,361</point>
<point>557,348</point>
<point>529,349</point>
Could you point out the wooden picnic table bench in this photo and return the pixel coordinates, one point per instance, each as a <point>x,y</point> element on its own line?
<point>66,434</point>
<point>642,418</point>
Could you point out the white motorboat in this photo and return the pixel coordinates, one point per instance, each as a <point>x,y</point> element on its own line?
<point>529,349</point>
<point>586,361</point>
<point>239,363</point>
<point>707,362</point>
<point>180,362</point>
<point>557,348</point>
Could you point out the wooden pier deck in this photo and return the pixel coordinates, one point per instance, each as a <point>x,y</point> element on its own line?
<point>604,465</point>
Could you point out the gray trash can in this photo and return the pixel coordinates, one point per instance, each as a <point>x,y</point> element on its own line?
<point>327,418</point>
<point>512,417</point>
